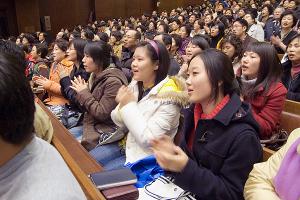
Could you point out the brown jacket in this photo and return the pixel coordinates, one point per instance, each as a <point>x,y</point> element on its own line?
<point>98,101</point>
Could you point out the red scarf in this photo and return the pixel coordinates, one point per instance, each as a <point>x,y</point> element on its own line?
<point>198,114</point>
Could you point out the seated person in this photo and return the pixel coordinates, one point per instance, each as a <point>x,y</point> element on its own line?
<point>220,138</point>
<point>52,86</point>
<point>73,113</point>
<point>197,44</point>
<point>38,54</point>
<point>261,87</point>
<point>97,96</point>
<point>30,168</point>
<point>149,107</point>
<point>278,177</point>
<point>291,70</point>
<point>42,125</point>
<point>232,47</point>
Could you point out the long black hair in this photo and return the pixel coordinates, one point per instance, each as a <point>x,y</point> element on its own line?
<point>101,53</point>
<point>270,68</point>
<point>161,56</point>
<point>79,45</point>
<point>219,70</point>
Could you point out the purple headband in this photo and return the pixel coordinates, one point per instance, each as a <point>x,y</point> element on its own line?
<point>154,45</point>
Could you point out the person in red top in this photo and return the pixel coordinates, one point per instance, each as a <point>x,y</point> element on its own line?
<point>220,140</point>
<point>259,79</point>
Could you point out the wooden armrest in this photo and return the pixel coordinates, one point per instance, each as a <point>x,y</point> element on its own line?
<point>290,116</point>
<point>267,153</point>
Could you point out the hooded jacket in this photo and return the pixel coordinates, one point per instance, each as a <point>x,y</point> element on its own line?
<point>97,101</point>
<point>155,114</point>
<point>224,151</point>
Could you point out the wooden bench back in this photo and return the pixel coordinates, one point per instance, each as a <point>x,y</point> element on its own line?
<point>77,158</point>
<point>290,117</point>
<point>289,121</point>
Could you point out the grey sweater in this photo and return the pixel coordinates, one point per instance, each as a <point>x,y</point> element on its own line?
<point>38,172</point>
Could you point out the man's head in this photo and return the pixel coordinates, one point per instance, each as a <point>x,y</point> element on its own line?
<point>164,39</point>
<point>239,28</point>
<point>131,38</point>
<point>175,24</point>
<point>277,12</point>
<point>16,103</point>
<point>42,36</point>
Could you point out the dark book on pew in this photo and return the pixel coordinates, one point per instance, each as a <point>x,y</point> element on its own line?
<point>113,178</point>
<point>127,192</point>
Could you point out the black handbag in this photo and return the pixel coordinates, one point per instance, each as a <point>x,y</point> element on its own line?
<point>71,118</point>
<point>116,134</point>
<point>277,140</point>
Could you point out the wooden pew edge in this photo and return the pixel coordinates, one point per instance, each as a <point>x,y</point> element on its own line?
<point>55,121</point>
<point>86,184</point>
<point>267,153</point>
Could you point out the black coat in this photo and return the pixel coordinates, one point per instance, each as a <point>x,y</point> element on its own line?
<point>224,151</point>
<point>126,60</point>
<point>292,85</point>
<point>68,92</point>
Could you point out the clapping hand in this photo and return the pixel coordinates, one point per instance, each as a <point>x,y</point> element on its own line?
<point>62,72</point>
<point>40,80</point>
<point>79,84</point>
<point>169,156</point>
<point>125,96</point>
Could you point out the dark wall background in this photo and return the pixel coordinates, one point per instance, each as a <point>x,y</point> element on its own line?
<point>65,13</point>
<point>123,8</point>
<point>8,20</point>
<point>26,15</point>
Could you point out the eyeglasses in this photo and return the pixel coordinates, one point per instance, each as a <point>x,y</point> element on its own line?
<point>237,26</point>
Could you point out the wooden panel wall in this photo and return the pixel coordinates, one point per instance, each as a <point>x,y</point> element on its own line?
<point>28,15</point>
<point>171,4</point>
<point>67,13</point>
<point>122,8</point>
<point>9,11</point>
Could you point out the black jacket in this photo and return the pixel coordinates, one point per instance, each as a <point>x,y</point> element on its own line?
<point>292,85</point>
<point>224,151</point>
<point>68,92</point>
<point>126,60</point>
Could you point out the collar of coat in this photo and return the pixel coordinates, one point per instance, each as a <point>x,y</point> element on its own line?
<point>170,90</point>
<point>232,110</point>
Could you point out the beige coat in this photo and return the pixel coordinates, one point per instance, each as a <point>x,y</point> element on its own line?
<point>259,185</point>
<point>42,124</point>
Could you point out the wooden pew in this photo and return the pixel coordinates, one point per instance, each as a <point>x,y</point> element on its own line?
<point>77,158</point>
<point>290,117</point>
<point>289,121</point>
<point>267,153</point>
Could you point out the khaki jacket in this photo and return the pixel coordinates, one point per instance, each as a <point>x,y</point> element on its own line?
<point>42,124</point>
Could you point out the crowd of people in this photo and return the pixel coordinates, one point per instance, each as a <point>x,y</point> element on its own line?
<point>216,76</point>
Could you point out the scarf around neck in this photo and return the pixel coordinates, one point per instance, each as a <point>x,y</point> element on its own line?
<point>247,85</point>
